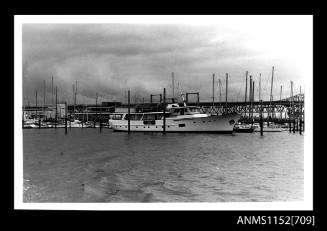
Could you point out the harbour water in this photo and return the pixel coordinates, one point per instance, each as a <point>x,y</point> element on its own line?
<point>88,166</point>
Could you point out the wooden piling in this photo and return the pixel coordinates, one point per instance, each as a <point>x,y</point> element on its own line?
<point>300,123</point>
<point>65,117</point>
<point>65,124</point>
<point>290,125</point>
<point>56,113</point>
<point>164,112</point>
<point>100,125</point>
<point>293,125</point>
<point>129,113</point>
<point>39,122</point>
<point>261,123</point>
<point>302,118</point>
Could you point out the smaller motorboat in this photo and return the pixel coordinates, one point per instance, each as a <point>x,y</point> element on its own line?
<point>243,128</point>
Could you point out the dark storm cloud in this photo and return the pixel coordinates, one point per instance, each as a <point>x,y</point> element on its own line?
<point>108,59</point>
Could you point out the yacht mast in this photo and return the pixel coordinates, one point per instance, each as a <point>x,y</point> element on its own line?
<point>213,89</point>
<point>246,85</point>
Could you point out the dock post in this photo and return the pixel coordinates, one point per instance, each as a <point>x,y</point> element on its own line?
<point>66,124</point>
<point>100,125</point>
<point>300,123</point>
<point>39,122</point>
<point>290,125</point>
<point>65,119</point>
<point>164,112</point>
<point>83,117</point>
<point>129,114</point>
<point>293,126</point>
<point>302,118</point>
<point>261,124</point>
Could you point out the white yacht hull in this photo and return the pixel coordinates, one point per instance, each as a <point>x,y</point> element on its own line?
<point>210,124</point>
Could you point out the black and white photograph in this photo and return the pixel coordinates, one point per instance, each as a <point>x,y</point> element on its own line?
<point>157,112</point>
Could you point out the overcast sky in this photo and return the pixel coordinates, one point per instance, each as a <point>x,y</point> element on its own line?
<point>109,59</point>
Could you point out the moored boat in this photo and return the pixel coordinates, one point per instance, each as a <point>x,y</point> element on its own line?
<point>270,128</point>
<point>178,119</point>
<point>243,128</point>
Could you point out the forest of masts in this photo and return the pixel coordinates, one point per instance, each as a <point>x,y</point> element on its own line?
<point>249,95</point>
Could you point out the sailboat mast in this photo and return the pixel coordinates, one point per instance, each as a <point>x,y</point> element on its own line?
<point>259,86</point>
<point>250,96</point>
<point>272,83</point>
<point>76,93</point>
<point>35,104</point>
<point>226,89</point>
<point>43,99</point>
<point>56,115</point>
<point>281,90</point>
<point>213,89</point>
<point>271,95</point>
<point>74,96</point>
<point>246,85</point>
<point>52,90</point>
<point>173,83</point>
<point>219,83</point>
